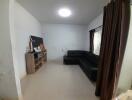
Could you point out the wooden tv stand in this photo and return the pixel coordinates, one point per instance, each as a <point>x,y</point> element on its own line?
<point>35,60</point>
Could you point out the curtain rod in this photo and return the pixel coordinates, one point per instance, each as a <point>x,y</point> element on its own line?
<point>97,27</point>
<point>102,25</point>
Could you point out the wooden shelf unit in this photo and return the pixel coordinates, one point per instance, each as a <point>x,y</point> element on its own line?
<point>35,60</point>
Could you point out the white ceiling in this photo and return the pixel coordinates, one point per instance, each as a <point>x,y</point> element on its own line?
<point>46,10</point>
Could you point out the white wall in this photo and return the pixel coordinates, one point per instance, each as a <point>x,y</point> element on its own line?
<point>25,25</point>
<point>94,24</point>
<point>59,38</point>
<point>9,82</point>
<point>125,81</point>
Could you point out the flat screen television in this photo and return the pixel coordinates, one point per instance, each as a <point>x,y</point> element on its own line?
<point>36,41</point>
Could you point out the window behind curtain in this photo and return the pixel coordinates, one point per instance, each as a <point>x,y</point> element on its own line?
<point>97,41</point>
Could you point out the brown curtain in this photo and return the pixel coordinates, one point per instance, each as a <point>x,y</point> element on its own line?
<point>92,40</point>
<point>114,37</point>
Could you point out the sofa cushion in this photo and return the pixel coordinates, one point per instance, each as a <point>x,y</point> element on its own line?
<point>89,71</point>
<point>87,61</point>
<point>94,59</point>
<point>70,60</point>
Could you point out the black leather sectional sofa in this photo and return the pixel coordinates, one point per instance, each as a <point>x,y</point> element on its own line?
<point>87,61</point>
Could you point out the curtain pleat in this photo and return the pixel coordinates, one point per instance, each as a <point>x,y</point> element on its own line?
<point>114,36</point>
<point>92,40</point>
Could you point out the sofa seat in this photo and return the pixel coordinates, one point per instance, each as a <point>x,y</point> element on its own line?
<point>86,62</point>
<point>70,60</point>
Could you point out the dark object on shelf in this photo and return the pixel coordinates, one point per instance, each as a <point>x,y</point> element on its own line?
<point>87,61</point>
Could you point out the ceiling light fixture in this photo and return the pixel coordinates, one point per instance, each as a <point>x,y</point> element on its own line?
<point>64,12</point>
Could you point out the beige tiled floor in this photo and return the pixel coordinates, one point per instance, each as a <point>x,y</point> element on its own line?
<point>55,81</point>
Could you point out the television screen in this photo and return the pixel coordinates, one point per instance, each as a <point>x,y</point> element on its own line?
<point>36,41</point>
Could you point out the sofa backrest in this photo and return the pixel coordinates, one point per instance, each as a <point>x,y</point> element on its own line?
<point>92,58</point>
<point>75,53</point>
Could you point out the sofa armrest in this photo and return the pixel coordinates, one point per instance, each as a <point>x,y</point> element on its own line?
<point>92,58</point>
